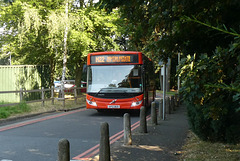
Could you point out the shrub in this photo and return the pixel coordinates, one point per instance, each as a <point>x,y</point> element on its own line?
<point>210,89</point>
<point>7,111</point>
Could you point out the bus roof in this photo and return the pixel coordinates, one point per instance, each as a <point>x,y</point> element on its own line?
<point>115,52</point>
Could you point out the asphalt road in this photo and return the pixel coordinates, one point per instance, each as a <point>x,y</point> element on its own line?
<point>37,139</point>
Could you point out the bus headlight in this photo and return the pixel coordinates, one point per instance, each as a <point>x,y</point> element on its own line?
<point>136,103</point>
<point>91,103</point>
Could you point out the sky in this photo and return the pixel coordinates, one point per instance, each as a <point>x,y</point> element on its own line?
<point>1,30</point>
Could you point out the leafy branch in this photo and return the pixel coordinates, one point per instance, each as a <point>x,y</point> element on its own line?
<point>225,30</point>
<point>225,86</point>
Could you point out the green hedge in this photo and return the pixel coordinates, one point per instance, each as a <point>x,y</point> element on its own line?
<point>211,91</point>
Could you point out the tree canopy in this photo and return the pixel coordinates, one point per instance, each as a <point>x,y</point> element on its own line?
<point>206,33</point>
<point>163,27</point>
<point>34,32</point>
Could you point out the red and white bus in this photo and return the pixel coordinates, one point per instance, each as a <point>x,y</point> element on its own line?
<point>119,80</point>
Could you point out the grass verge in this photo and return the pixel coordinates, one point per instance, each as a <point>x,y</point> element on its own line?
<point>197,150</point>
<point>6,112</point>
<point>168,93</point>
<point>32,108</point>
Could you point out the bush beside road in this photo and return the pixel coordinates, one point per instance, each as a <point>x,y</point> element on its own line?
<point>35,108</point>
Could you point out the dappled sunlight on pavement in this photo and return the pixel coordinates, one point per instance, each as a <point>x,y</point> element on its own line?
<point>163,142</point>
<point>147,147</point>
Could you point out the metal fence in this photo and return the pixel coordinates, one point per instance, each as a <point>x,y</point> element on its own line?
<point>14,77</point>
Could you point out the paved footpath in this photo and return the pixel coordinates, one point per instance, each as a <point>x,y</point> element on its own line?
<point>163,142</point>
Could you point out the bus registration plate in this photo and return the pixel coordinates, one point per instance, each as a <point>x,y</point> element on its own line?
<point>113,106</point>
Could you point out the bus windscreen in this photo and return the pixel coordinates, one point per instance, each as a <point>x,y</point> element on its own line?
<point>116,78</point>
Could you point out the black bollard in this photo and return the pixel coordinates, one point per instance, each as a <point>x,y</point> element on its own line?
<point>167,105</point>
<point>177,100</point>
<point>153,113</point>
<point>104,152</point>
<point>172,104</point>
<point>63,150</point>
<point>160,109</point>
<point>127,129</point>
<point>143,122</point>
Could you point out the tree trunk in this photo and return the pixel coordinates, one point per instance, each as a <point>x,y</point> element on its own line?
<point>52,66</point>
<point>78,74</point>
<point>65,51</point>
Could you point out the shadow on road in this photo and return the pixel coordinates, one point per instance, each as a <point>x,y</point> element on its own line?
<point>133,113</point>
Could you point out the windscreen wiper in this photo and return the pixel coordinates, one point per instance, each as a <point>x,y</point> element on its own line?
<point>101,90</point>
<point>98,92</point>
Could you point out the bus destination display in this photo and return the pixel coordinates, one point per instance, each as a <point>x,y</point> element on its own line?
<point>105,59</point>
